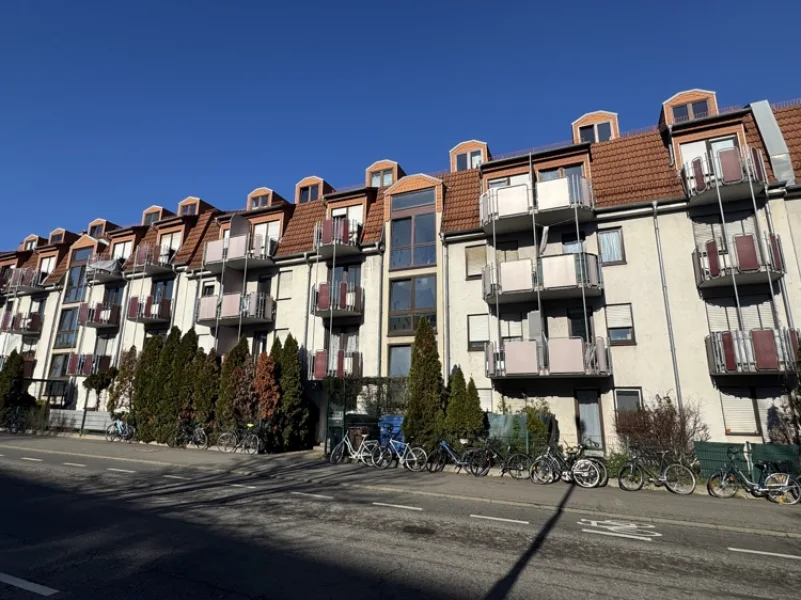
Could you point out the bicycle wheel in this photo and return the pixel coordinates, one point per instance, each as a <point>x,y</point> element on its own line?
<point>679,479</point>
<point>227,442</point>
<point>602,470</point>
<point>631,477</point>
<point>518,466</point>
<point>585,473</point>
<point>541,470</point>
<point>789,491</point>
<point>200,439</point>
<point>129,434</point>
<point>436,461</point>
<point>722,485</point>
<point>416,459</point>
<point>112,433</point>
<point>382,457</point>
<point>479,463</point>
<point>251,444</point>
<point>338,453</point>
<point>177,439</point>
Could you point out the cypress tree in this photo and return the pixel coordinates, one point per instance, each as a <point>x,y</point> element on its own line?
<point>295,412</point>
<point>206,374</point>
<point>162,392</point>
<point>13,387</point>
<point>268,392</point>
<point>424,418</point>
<point>182,385</point>
<point>455,415</point>
<point>277,354</point>
<point>473,415</point>
<point>143,409</point>
<point>226,418</point>
<point>245,406</point>
<point>122,387</point>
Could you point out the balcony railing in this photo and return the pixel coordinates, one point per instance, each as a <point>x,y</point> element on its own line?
<point>24,281</point>
<point>564,275</point>
<point>731,172</point>
<point>549,357</point>
<point>741,258</point>
<point>103,267</point>
<point>507,209</point>
<point>337,236</point>
<point>237,251</point>
<point>234,308</point>
<point>510,281</point>
<point>758,351</point>
<point>338,364</point>
<point>556,199</point>
<point>149,310</point>
<point>340,299</point>
<point>21,323</point>
<point>84,365</point>
<point>152,259</point>
<point>99,316</point>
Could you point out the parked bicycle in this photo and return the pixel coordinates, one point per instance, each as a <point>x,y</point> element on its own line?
<point>483,459</point>
<point>413,458</point>
<point>570,467</point>
<point>120,430</point>
<point>599,461</point>
<point>774,483</point>
<point>244,438</point>
<point>675,476</point>
<point>345,450</point>
<point>15,421</point>
<point>444,453</point>
<point>186,433</point>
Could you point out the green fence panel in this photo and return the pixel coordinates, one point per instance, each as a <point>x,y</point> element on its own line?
<point>776,453</point>
<point>510,430</point>
<point>712,456</point>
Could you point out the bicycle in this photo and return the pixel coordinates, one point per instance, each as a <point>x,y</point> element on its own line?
<point>16,421</point>
<point>121,430</point>
<point>185,433</point>
<point>598,460</point>
<point>483,459</point>
<point>413,458</point>
<point>243,437</point>
<point>779,486</point>
<point>361,454</point>
<point>440,456</point>
<point>676,477</point>
<point>570,467</point>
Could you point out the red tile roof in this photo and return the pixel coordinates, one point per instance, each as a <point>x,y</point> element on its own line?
<point>299,233</point>
<point>754,140</point>
<point>192,247</point>
<point>374,223</point>
<point>57,274</point>
<point>151,237</point>
<point>789,119</point>
<point>461,200</point>
<point>209,233</point>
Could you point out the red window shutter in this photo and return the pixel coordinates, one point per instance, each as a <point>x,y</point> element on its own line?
<point>328,231</point>
<point>729,358</point>
<point>72,365</point>
<point>746,253</point>
<point>343,295</point>
<point>714,260</point>
<point>730,169</point>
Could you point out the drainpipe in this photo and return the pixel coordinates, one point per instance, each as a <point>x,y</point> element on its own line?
<point>380,309</point>
<point>308,307</point>
<point>667,306</point>
<point>174,303</point>
<point>123,319</point>
<point>446,286</point>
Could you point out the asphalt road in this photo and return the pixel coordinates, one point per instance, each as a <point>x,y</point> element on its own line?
<point>86,520</point>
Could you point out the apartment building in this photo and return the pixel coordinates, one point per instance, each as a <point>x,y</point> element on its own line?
<point>594,274</point>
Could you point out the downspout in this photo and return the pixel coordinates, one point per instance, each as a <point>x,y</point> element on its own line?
<point>446,286</point>
<point>380,306</point>
<point>308,307</point>
<point>174,308</point>
<point>667,307</point>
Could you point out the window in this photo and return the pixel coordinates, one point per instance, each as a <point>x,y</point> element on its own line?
<point>310,193</point>
<point>610,242</point>
<point>628,400</point>
<point>76,286</point>
<point>620,324</point>
<point>284,285</point>
<point>478,329</point>
<point>755,310</point>
<point>599,132</point>
<point>572,244</point>
<point>267,231</point>
<point>500,182</point>
<point>413,241</point>
<point>96,231</point>
<point>37,305</point>
<point>81,255</point>
<point>708,227</point>
<point>691,110</point>
<point>162,290</point>
<point>188,210</point>
<point>122,250</point>
<point>112,296</point>
<point>346,273</point>
<point>169,243</point>
<point>411,300</point>
<point>103,345</point>
<point>577,324</point>
<point>354,214</point>
<point>475,260</point>
<point>262,201</point>
<point>58,366</point>
<point>208,290</point>
<point>400,360</point>
<point>573,171</point>
<point>151,218</point>
<point>56,238</point>
<point>46,266</point>
<point>413,199</point>
<point>30,244</point>
<point>468,160</point>
<point>67,329</point>
<point>506,251</point>
<point>381,178</point>
<point>512,327</point>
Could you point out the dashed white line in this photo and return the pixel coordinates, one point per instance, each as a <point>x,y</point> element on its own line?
<point>247,487</point>
<point>32,459</point>
<point>761,553</point>
<point>622,535</point>
<point>397,506</point>
<point>499,519</point>
<point>120,470</point>
<point>28,586</point>
<point>74,465</point>
<point>180,477</point>
<point>307,495</point>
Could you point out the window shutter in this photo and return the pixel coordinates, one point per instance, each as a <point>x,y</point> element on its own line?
<point>757,312</point>
<point>706,228</point>
<point>519,179</point>
<point>740,222</point>
<point>476,257</point>
<point>722,315</point>
<point>512,326</point>
<point>478,328</point>
<point>339,212</point>
<point>738,411</point>
<point>618,315</point>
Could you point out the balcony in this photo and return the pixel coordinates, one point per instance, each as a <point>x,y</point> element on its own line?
<point>152,259</point>
<point>235,309</point>
<point>150,310</point>
<point>104,268</point>
<point>548,358</point>
<point>99,316</point>
<point>566,275</point>
<point>507,209</point>
<point>729,172</point>
<point>29,324</point>
<point>341,364</point>
<point>24,281</point>
<point>511,281</point>
<point>563,199</point>
<point>239,252</point>
<point>741,259</point>
<point>759,351</point>
<point>340,299</point>
<point>83,365</point>
<point>340,237</point>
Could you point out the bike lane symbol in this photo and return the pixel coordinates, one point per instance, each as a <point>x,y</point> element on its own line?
<point>625,529</point>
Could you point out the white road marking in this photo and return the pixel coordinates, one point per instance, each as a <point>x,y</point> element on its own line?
<point>247,487</point>
<point>499,519</point>
<point>623,535</point>
<point>397,506</point>
<point>28,586</point>
<point>74,465</point>
<point>120,470</point>
<point>177,477</point>
<point>32,459</point>
<point>776,554</point>
<point>319,496</point>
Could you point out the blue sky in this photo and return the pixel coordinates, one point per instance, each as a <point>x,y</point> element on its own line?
<point>108,107</point>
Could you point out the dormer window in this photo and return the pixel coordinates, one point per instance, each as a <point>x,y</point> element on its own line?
<point>96,231</point>
<point>690,111</point>
<point>598,132</point>
<point>468,160</point>
<point>30,245</point>
<point>151,218</point>
<point>310,193</point>
<point>262,201</point>
<point>188,210</point>
<point>56,238</point>
<point>381,178</point>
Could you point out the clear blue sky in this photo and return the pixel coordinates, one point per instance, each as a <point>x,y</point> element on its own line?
<point>108,107</point>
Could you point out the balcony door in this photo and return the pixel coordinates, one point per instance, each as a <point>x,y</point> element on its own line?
<point>590,423</point>
<point>267,231</point>
<point>341,338</point>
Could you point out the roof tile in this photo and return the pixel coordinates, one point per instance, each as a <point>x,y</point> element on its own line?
<point>754,140</point>
<point>461,203</point>
<point>299,233</point>
<point>188,252</point>
<point>789,119</point>
<point>209,233</point>
<point>374,223</point>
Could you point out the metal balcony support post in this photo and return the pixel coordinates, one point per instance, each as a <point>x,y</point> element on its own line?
<point>218,304</point>
<point>726,241</point>
<point>536,253</point>
<point>782,285</point>
<point>244,292</point>
<point>331,288</point>
<point>498,287</point>
<point>583,258</point>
